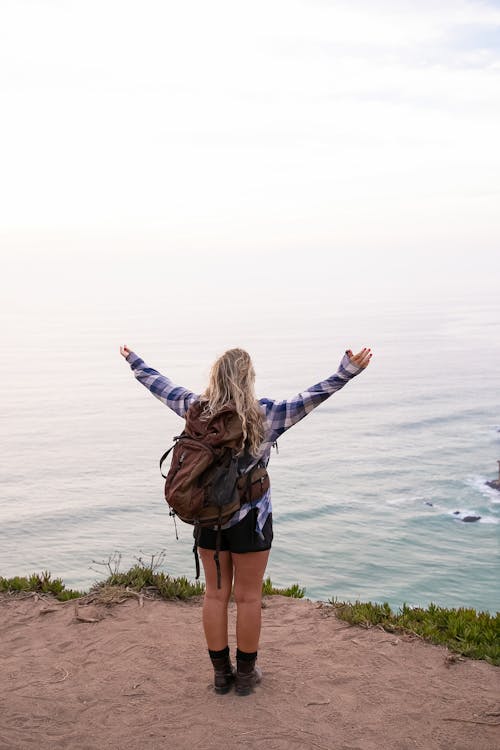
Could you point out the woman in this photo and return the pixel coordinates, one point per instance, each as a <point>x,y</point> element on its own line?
<point>248,535</point>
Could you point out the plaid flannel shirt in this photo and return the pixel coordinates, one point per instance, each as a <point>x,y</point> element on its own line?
<point>279,416</point>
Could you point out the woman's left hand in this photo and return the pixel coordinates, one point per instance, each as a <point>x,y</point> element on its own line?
<point>125,351</point>
<point>362,358</point>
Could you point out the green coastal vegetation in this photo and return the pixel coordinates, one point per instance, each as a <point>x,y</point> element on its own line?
<point>40,583</point>
<point>138,578</point>
<point>464,631</point>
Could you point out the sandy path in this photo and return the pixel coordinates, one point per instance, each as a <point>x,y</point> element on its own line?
<point>140,679</point>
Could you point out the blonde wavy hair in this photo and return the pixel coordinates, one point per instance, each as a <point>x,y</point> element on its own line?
<point>232,379</point>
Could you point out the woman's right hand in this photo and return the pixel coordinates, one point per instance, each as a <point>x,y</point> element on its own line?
<point>362,358</point>
<point>125,351</point>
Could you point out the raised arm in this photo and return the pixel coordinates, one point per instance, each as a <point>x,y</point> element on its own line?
<point>177,398</point>
<point>281,415</point>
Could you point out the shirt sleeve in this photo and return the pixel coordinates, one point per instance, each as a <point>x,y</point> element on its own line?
<point>174,396</point>
<point>281,415</point>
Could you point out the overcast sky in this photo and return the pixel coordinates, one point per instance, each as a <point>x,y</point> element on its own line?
<point>361,131</point>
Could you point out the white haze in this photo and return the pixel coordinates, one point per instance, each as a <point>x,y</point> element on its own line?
<point>294,150</point>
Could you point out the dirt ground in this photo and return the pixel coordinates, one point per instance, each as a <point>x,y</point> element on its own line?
<point>136,676</point>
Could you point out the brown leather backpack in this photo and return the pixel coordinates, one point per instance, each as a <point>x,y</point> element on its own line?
<point>207,481</point>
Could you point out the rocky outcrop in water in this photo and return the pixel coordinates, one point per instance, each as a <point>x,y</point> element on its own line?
<point>466,519</point>
<point>494,483</point>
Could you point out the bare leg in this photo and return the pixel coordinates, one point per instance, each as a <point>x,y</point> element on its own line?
<point>249,571</point>
<point>216,600</point>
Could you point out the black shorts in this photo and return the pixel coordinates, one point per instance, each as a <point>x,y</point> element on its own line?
<point>242,537</point>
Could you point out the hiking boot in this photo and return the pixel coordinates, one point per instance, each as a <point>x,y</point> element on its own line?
<point>247,676</point>
<point>224,675</point>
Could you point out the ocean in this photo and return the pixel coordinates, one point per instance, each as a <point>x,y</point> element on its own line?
<point>369,491</point>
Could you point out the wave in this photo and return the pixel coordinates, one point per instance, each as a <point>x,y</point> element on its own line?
<point>465,515</point>
<point>471,516</point>
<point>478,483</point>
<point>401,500</point>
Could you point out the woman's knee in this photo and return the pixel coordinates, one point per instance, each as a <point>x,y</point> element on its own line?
<point>221,596</point>
<point>246,595</point>
<point>248,575</point>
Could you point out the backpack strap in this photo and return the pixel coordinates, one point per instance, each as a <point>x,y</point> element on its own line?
<point>196,535</point>
<point>249,487</point>
<point>176,438</point>
<point>218,540</point>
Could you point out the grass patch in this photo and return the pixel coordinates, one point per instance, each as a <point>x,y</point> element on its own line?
<point>144,576</point>
<point>464,631</point>
<point>294,591</point>
<point>41,583</point>
<point>139,577</point>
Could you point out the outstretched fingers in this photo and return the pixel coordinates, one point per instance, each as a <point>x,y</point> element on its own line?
<point>362,358</point>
